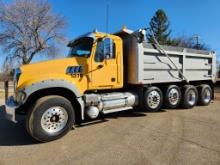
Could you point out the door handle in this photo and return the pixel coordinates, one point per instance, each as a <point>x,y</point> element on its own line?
<point>100,66</point>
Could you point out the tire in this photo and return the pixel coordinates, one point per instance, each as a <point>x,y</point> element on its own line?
<point>153,99</point>
<point>50,118</point>
<point>172,96</point>
<point>205,94</point>
<point>190,96</point>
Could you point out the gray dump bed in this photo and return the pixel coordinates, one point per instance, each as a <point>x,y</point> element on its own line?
<point>145,64</point>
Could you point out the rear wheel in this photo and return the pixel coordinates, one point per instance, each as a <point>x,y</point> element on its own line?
<point>205,94</point>
<point>190,96</point>
<point>153,99</point>
<point>50,118</point>
<point>172,96</point>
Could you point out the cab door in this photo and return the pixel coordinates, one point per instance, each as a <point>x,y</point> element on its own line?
<point>104,65</point>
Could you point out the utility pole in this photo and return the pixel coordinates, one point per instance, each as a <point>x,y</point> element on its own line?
<point>196,37</point>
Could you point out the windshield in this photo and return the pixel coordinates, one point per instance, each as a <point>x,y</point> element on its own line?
<point>81,47</point>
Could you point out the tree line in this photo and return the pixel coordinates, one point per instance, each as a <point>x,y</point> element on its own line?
<point>160,26</point>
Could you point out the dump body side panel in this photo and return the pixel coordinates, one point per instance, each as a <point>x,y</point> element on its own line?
<point>149,65</point>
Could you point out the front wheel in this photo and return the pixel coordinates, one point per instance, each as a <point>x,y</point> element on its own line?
<point>50,118</point>
<point>153,99</point>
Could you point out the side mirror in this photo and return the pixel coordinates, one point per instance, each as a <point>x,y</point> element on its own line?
<point>108,48</point>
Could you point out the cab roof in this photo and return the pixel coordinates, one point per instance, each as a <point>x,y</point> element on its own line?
<point>94,35</point>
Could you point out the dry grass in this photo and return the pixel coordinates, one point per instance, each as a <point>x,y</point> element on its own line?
<point>2,90</point>
<point>2,95</point>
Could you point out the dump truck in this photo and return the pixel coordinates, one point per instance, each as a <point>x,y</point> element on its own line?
<point>107,73</point>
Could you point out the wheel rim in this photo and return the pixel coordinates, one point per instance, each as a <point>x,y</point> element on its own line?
<point>207,95</point>
<point>153,99</point>
<point>54,119</point>
<point>173,96</point>
<point>192,97</point>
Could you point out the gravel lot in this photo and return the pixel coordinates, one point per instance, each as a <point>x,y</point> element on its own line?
<point>167,137</point>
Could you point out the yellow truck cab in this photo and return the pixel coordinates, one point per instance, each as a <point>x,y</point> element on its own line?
<point>107,73</point>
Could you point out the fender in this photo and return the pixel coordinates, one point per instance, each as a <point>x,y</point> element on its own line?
<point>54,83</point>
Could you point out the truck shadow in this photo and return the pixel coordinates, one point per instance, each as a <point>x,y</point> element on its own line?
<point>12,134</point>
<point>105,118</point>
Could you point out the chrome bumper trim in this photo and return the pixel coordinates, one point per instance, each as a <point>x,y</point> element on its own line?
<point>10,107</point>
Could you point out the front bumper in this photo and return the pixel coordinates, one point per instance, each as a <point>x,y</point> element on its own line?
<point>10,108</point>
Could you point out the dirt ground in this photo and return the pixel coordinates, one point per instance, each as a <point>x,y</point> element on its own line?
<point>183,137</point>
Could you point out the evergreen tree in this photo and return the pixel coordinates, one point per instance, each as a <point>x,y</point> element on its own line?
<point>160,27</point>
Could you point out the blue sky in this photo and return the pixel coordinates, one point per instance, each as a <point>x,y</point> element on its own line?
<point>187,17</point>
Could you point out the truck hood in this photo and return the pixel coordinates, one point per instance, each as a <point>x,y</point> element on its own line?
<point>55,70</point>
<point>51,67</point>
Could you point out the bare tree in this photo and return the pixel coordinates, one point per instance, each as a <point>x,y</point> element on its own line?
<point>29,28</point>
